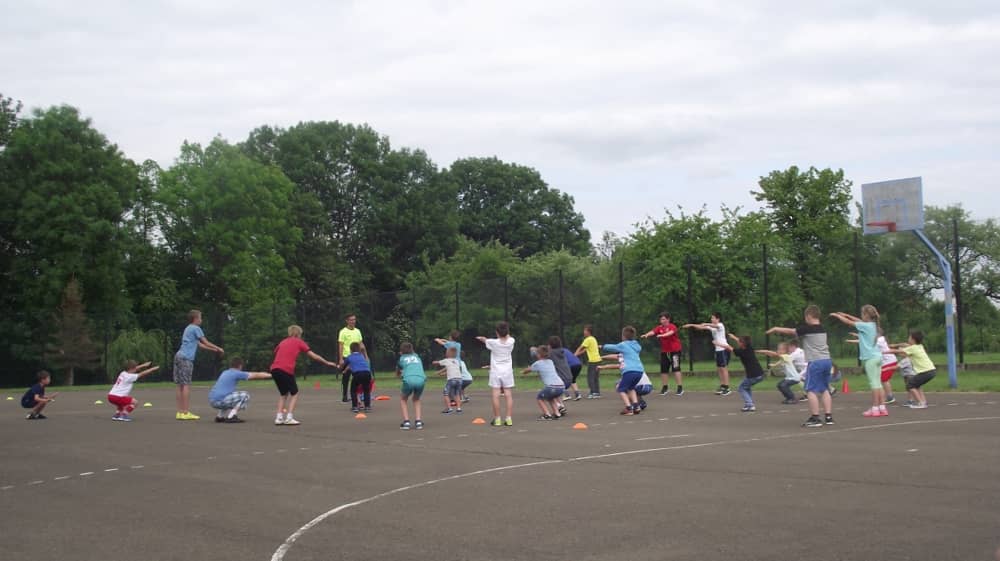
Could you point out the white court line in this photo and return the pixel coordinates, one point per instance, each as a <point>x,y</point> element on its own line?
<point>38,482</point>
<point>137,467</point>
<point>279,554</point>
<point>5,487</point>
<point>110,470</point>
<point>60,478</point>
<point>662,437</point>
<point>86,473</point>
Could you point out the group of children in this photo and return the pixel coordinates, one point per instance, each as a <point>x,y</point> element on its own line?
<point>804,359</point>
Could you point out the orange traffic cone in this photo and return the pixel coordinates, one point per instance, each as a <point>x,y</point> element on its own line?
<point>361,416</point>
<point>316,386</point>
<point>479,421</point>
<point>844,388</point>
<point>580,426</point>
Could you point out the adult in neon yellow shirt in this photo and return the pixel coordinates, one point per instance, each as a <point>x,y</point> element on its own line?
<point>349,334</point>
<point>589,346</point>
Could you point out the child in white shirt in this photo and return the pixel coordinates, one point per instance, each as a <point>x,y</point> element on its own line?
<point>120,394</point>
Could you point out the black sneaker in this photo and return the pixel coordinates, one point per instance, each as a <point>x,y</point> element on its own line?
<point>725,391</point>
<point>31,417</point>
<point>719,391</point>
<point>368,409</point>
<point>680,391</point>
<point>234,419</point>
<point>418,425</point>
<point>813,422</point>
<point>354,410</point>
<point>828,420</point>
<point>665,391</point>
<point>405,425</point>
<point>220,419</point>
<point>344,400</point>
<point>544,418</point>
<point>562,410</point>
<point>40,416</point>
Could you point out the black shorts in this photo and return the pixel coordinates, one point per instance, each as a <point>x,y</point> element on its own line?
<point>914,382</point>
<point>575,371</point>
<point>285,382</point>
<point>670,362</point>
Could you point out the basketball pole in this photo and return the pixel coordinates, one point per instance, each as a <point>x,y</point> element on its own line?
<point>949,312</point>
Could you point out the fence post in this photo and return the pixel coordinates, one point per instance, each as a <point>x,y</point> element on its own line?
<point>958,293</point>
<point>413,315</point>
<point>621,294</point>
<point>562,317</point>
<point>857,281</point>
<point>506,309</point>
<point>456,305</point>
<point>767,317</point>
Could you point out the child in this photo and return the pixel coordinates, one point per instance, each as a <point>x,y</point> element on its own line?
<point>453,387</point>
<point>799,362</point>
<point>501,371</point>
<point>453,342</point>
<point>889,364</point>
<point>817,353</point>
<point>670,353</point>
<point>575,367</point>
<point>283,373</point>
<point>411,369</point>
<point>722,355</point>
<point>753,371</point>
<point>632,369</point>
<point>786,368</point>
<point>645,385</point>
<point>869,354</point>
<point>466,377</point>
<point>192,339</point>
<point>224,396</point>
<point>919,363</point>
<point>119,396</point>
<point>554,386</point>
<point>361,376</point>
<point>35,399</point>
<point>589,346</point>
<point>558,356</point>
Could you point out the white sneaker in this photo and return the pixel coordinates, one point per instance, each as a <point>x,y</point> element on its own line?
<point>291,421</point>
<point>279,420</point>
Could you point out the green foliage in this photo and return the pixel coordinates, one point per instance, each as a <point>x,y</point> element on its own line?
<point>138,345</point>
<point>9,110</point>
<point>511,204</point>
<point>71,346</point>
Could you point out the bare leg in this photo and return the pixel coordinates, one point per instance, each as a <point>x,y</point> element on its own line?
<point>624,396</point>
<point>496,402</point>
<point>541,405</point>
<point>292,400</point>
<point>185,391</point>
<point>633,397</point>
<point>417,409</point>
<point>281,406</point>
<point>724,375</point>
<point>510,403</point>
<point>814,402</point>
<point>679,378</point>
<point>180,399</point>
<point>665,378</point>
<point>827,403</point>
<point>405,409</point>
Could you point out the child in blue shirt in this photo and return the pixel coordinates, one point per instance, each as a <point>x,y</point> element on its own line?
<point>869,354</point>
<point>35,399</point>
<point>553,384</point>
<point>411,369</point>
<point>632,369</point>
<point>361,376</point>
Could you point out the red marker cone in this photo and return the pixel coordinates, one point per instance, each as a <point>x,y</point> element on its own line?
<point>316,386</point>
<point>844,388</point>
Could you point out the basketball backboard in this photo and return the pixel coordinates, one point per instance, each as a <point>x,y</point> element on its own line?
<point>899,202</point>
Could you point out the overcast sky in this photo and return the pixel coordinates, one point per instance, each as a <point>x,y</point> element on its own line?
<point>629,106</point>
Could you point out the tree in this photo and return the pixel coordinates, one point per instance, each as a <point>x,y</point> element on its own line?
<point>9,110</point>
<point>511,204</point>
<point>71,346</point>
<point>226,222</point>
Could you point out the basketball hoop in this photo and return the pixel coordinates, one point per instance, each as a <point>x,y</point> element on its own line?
<point>889,226</point>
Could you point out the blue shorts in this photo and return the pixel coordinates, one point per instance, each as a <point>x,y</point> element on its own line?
<point>549,393</point>
<point>629,381</point>
<point>722,358</point>
<point>818,375</point>
<point>412,387</point>
<point>644,389</point>
<point>454,387</point>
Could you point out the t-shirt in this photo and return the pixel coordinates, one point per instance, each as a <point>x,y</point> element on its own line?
<point>454,345</point>
<point>547,372</point>
<point>788,367</point>
<point>28,399</point>
<point>750,363</point>
<point>189,341</point>
<point>348,336</point>
<point>123,385</point>
<point>226,384</point>
<point>453,369</point>
<point>593,352</point>
<point>888,359</point>
<point>412,368</point>
<point>813,339</point>
<point>630,351</point>
<point>466,375</point>
<point>286,352</point>
<point>671,343</point>
<point>500,355</point>
<point>558,358</point>
<point>572,359</point>
<point>867,333</point>
<point>798,357</point>
<point>357,362</point>
<point>718,336</point>
<point>919,359</point>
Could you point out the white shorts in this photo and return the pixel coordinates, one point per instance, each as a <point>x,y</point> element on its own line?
<point>503,379</point>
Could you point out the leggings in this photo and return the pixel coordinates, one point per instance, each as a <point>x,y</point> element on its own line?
<point>593,378</point>
<point>345,380</point>
<point>361,380</point>
<point>785,387</point>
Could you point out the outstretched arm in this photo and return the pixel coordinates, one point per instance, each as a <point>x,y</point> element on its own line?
<point>734,337</point>
<point>318,358</point>
<point>148,371</point>
<point>647,334</point>
<point>701,326</point>
<point>782,331</point>
<point>258,375</point>
<point>209,346</point>
<point>845,318</point>
<point>766,352</point>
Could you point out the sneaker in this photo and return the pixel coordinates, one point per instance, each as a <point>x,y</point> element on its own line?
<point>726,391</point>
<point>789,402</point>
<point>828,420</point>
<point>418,425</point>
<point>680,392</point>
<point>883,412</point>
<point>116,417</point>
<point>31,417</point>
<point>919,406</point>
<point>179,416</point>
<point>458,411</point>
<point>642,405</point>
<point>627,412</point>
<point>562,410</point>
<point>405,425</point>
<point>909,403</point>
<point>557,417</point>
<point>355,410</point>
<point>544,418</point>
<point>291,421</point>
<point>873,412</point>
<point>508,422</point>
<point>497,422</point>
<point>597,396</point>
<point>447,411</point>
<point>890,400</point>
<point>719,390</point>
<point>368,409</point>
<point>578,397</point>
<point>813,422</point>
<point>465,399</point>
<point>189,416</point>
<point>220,419</point>
<point>279,420</point>
<point>345,400</point>
<point>590,396</point>
<point>236,419</point>
<point>40,416</point>
<point>803,397</point>
<point>748,409</point>
<point>665,391</point>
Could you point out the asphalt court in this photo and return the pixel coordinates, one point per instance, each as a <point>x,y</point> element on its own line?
<point>692,477</point>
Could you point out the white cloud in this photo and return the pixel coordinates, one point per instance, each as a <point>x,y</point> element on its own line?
<point>646,104</point>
